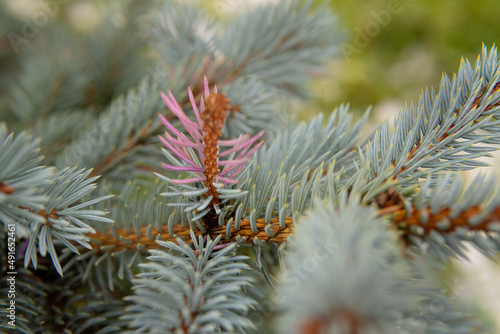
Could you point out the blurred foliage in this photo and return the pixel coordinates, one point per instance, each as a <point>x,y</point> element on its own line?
<point>420,40</point>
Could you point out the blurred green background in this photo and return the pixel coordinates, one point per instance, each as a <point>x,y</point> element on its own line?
<point>412,47</point>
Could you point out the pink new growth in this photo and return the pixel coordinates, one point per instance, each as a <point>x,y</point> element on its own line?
<point>188,145</point>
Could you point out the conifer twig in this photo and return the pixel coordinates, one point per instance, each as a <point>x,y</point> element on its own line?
<point>446,134</point>
<point>130,240</point>
<point>443,221</point>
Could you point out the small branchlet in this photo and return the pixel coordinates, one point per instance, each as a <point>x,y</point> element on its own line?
<point>199,151</point>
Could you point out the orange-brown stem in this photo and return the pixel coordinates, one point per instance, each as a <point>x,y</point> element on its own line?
<point>213,117</point>
<point>396,212</point>
<point>6,189</point>
<point>345,320</point>
<point>52,214</point>
<point>130,240</point>
<point>404,221</point>
<point>391,204</point>
<point>445,135</point>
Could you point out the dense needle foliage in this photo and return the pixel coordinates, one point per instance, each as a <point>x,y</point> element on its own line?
<point>154,180</point>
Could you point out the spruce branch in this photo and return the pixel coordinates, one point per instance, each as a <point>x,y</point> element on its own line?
<point>445,131</point>
<point>414,219</point>
<point>112,258</point>
<point>354,222</point>
<point>254,217</point>
<point>350,276</point>
<point>117,133</point>
<point>197,153</point>
<point>447,214</point>
<point>452,128</point>
<point>286,175</point>
<point>148,236</point>
<point>190,292</point>
<point>125,132</point>
<point>141,217</point>
<point>61,220</point>
<point>174,33</point>
<point>409,215</point>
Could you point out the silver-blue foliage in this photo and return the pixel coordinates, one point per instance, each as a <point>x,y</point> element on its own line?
<point>21,173</point>
<point>64,221</point>
<point>344,263</point>
<point>196,290</point>
<point>446,130</point>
